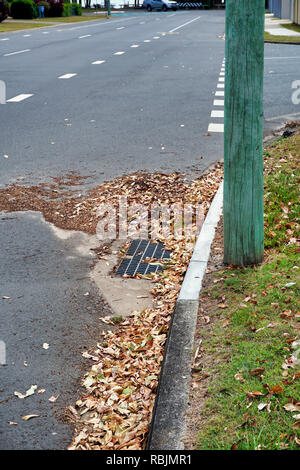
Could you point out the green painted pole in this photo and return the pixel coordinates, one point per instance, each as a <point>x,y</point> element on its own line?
<point>108,8</point>
<point>243,133</point>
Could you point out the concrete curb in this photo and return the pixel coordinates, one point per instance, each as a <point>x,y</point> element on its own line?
<point>283,42</point>
<point>168,422</point>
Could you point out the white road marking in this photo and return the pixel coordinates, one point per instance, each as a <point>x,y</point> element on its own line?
<point>119,53</point>
<point>284,116</point>
<point>142,22</point>
<point>147,40</point>
<point>219,93</point>
<point>220,85</point>
<point>98,62</point>
<point>135,45</point>
<point>121,27</point>
<point>182,25</point>
<point>26,35</point>
<point>222,74</point>
<point>218,102</point>
<point>18,98</point>
<point>221,79</point>
<point>17,52</point>
<point>45,32</point>
<point>276,58</point>
<point>100,23</point>
<point>156,37</point>
<point>85,36</point>
<point>4,39</point>
<point>213,127</point>
<point>68,75</point>
<point>215,113</point>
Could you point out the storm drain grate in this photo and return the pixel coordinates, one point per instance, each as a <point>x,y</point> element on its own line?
<point>138,251</point>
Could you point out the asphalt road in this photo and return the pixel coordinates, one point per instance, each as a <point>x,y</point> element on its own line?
<point>146,107</point>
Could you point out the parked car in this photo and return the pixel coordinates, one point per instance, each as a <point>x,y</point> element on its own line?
<point>163,5</point>
<point>3,10</point>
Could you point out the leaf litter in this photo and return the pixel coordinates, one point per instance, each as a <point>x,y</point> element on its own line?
<point>116,411</point>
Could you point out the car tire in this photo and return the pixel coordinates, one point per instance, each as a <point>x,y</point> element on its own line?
<point>149,8</point>
<point>164,8</point>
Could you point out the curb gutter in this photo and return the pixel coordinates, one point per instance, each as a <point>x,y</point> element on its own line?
<point>267,41</point>
<point>168,422</point>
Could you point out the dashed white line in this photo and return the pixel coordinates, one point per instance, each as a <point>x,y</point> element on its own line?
<point>147,40</point>
<point>218,102</point>
<point>220,85</point>
<point>85,36</point>
<point>156,37</point>
<point>182,25</point>
<point>26,35</point>
<point>98,62</point>
<point>4,39</point>
<point>221,79</point>
<point>67,75</point>
<point>120,27</point>
<point>218,114</point>
<point>219,93</point>
<point>45,32</point>
<point>135,45</point>
<point>17,52</point>
<point>119,53</point>
<point>222,74</point>
<point>18,98</point>
<point>213,127</point>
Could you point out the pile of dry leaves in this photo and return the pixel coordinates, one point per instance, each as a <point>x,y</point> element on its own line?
<point>116,411</point>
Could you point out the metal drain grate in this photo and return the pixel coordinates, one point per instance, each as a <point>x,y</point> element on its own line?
<point>138,251</point>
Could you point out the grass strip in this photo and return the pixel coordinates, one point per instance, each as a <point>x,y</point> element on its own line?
<point>251,352</point>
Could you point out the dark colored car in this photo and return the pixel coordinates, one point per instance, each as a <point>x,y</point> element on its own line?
<point>3,10</point>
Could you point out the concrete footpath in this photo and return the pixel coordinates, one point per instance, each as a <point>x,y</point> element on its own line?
<point>273,26</point>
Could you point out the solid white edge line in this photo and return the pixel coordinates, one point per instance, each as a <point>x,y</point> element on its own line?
<point>182,25</point>
<point>17,52</point>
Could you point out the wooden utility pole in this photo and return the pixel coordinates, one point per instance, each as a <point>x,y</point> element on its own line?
<point>243,133</point>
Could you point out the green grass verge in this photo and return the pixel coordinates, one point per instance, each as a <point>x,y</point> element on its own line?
<point>42,22</point>
<point>273,38</point>
<point>251,341</point>
<point>293,27</point>
<point>70,19</point>
<point>7,27</point>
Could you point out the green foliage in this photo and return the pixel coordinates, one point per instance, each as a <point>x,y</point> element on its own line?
<point>251,348</point>
<point>67,9</point>
<point>78,8</point>
<point>23,9</point>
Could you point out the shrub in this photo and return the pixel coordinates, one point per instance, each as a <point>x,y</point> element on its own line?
<point>23,9</point>
<point>56,8</point>
<point>67,9</point>
<point>78,8</point>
